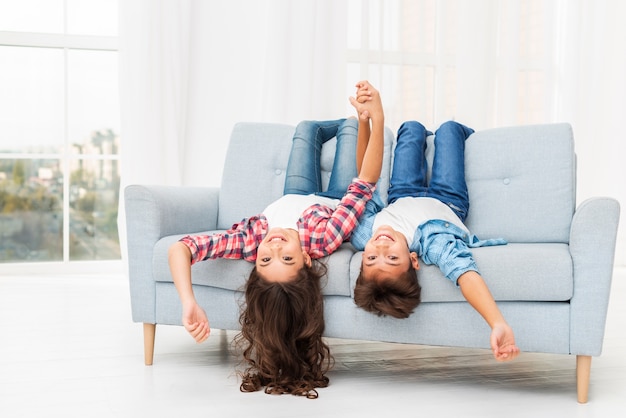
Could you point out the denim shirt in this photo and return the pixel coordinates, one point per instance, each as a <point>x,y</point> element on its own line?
<point>436,241</point>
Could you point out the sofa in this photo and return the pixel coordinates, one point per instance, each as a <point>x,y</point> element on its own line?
<point>551,281</point>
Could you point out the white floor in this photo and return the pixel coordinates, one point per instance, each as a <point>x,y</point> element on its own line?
<point>68,348</point>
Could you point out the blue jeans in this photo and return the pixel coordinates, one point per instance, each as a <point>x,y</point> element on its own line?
<point>447,182</point>
<point>304,172</point>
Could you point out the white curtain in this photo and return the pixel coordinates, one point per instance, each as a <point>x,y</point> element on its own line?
<point>190,69</point>
<point>590,92</point>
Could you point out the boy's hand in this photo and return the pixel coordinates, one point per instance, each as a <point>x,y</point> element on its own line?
<point>196,322</point>
<point>503,343</point>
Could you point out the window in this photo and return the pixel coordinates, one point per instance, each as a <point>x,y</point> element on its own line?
<point>59,112</point>
<point>416,52</point>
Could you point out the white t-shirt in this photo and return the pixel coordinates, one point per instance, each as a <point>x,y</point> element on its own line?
<point>285,212</point>
<point>407,213</point>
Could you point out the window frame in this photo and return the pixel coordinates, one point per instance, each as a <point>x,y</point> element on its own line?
<point>64,42</point>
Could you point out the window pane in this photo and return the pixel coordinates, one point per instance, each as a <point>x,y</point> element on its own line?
<point>532,34</point>
<point>94,196</point>
<point>417,85</point>
<point>390,16</point>
<point>31,215</point>
<point>92,17</point>
<point>375,38</point>
<point>93,106</point>
<point>93,120</point>
<point>354,24</point>
<point>59,110</point>
<point>449,96</point>
<point>416,26</point>
<point>45,16</point>
<point>449,17</point>
<point>31,103</point>
<point>531,92</point>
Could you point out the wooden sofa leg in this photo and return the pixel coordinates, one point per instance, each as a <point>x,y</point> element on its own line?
<point>149,331</point>
<point>583,371</point>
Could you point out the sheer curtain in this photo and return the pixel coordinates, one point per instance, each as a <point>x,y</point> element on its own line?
<point>190,69</point>
<point>591,93</point>
<point>491,63</point>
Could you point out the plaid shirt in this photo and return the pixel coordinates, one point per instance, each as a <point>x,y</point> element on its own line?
<point>322,230</point>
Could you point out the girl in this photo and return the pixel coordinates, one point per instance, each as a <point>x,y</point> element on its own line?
<point>282,321</point>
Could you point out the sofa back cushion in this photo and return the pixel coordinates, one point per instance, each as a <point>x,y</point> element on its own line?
<point>521,183</point>
<point>254,170</point>
<point>255,166</point>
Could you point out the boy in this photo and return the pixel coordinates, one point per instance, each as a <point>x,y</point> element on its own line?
<point>425,220</point>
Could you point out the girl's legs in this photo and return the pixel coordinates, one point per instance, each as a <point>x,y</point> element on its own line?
<point>304,169</point>
<point>408,176</point>
<point>344,164</point>
<point>447,181</point>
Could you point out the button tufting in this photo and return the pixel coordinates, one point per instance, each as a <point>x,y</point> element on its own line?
<point>278,171</point>
<point>506,181</point>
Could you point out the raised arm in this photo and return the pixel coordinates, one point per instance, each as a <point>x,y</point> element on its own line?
<point>363,140</point>
<point>370,143</point>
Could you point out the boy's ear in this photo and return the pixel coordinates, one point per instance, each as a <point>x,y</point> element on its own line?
<point>307,259</point>
<point>415,261</point>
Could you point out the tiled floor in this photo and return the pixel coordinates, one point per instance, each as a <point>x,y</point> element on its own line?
<point>69,348</point>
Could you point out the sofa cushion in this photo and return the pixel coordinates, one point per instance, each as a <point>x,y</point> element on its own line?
<point>513,272</point>
<point>232,274</point>
<point>256,164</point>
<point>221,273</point>
<point>258,152</point>
<point>521,183</point>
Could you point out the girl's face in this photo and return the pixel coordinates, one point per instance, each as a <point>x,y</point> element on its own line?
<point>280,256</point>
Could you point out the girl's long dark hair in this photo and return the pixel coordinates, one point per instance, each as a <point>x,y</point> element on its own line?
<point>281,335</point>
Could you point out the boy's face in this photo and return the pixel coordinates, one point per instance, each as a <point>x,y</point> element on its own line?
<point>386,255</point>
<point>280,256</point>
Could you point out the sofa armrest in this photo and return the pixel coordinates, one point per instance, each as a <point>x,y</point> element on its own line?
<point>168,210</point>
<point>153,212</point>
<point>592,246</point>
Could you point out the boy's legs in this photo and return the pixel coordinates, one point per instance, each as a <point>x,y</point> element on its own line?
<point>408,176</point>
<point>304,166</point>
<point>447,182</point>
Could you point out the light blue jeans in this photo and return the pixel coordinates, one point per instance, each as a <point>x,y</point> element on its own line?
<point>304,172</point>
<point>447,182</point>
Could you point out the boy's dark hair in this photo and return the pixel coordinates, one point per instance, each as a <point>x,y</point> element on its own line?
<point>397,297</point>
<point>281,335</point>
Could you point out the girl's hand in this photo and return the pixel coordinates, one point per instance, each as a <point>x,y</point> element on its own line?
<point>196,322</point>
<point>367,102</point>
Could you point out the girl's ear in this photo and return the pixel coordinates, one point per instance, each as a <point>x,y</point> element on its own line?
<point>307,259</point>
<point>415,261</point>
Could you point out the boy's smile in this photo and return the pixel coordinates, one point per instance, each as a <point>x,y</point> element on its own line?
<point>386,255</point>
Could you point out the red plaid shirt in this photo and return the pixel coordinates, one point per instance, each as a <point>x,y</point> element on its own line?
<point>322,230</point>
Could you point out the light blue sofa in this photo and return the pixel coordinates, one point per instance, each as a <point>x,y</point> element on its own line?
<point>552,280</point>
